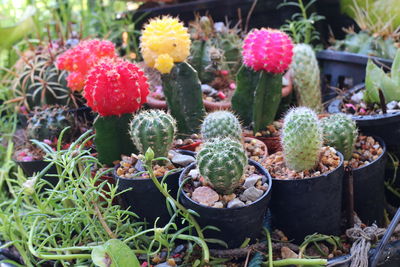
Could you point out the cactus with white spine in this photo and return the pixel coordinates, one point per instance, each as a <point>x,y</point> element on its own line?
<point>155,129</point>
<point>301,139</point>
<point>221,124</point>
<point>222,163</point>
<point>306,77</point>
<point>340,132</point>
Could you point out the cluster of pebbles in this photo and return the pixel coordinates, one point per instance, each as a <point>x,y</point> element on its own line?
<point>356,106</point>
<point>367,149</point>
<point>252,187</point>
<point>255,150</point>
<point>272,130</point>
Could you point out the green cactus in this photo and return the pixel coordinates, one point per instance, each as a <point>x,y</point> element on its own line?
<point>306,77</point>
<point>221,124</point>
<point>182,91</point>
<point>205,59</point>
<point>301,139</point>
<point>47,123</point>
<point>222,163</point>
<point>155,129</point>
<point>340,132</point>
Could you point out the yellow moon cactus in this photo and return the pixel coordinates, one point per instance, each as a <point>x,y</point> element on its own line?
<point>164,41</point>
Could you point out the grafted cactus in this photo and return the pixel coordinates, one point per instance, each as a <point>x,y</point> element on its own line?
<point>301,139</point>
<point>155,129</point>
<point>221,124</point>
<point>222,163</point>
<point>340,132</point>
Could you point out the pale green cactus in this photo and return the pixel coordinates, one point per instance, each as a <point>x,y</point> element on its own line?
<point>221,124</point>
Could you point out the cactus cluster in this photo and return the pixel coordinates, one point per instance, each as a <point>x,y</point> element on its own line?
<point>155,129</point>
<point>301,139</point>
<point>221,124</point>
<point>340,132</point>
<point>306,77</point>
<point>48,122</point>
<point>222,163</point>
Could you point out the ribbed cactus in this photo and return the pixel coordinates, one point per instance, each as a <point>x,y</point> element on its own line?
<point>47,123</point>
<point>340,132</point>
<point>155,129</point>
<point>301,139</point>
<point>222,163</point>
<point>306,77</point>
<point>221,124</point>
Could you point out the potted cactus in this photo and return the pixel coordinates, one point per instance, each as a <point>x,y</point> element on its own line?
<point>153,129</point>
<point>375,105</point>
<point>227,190</point>
<point>165,45</point>
<point>305,172</point>
<point>365,159</point>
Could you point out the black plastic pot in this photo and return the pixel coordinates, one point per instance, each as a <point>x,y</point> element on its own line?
<point>235,224</point>
<point>386,126</point>
<point>343,70</point>
<point>302,207</point>
<point>35,166</point>
<point>369,189</point>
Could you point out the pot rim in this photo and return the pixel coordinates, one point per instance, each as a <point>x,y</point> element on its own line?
<point>250,162</point>
<point>344,56</point>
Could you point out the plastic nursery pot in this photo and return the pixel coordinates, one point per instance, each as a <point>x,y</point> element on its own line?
<point>343,70</point>
<point>36,166</point>
<point>213,106</point>
<point>369,189</point>
<point>386,126</point>
<point>154,103</point>
<point>144,198</point>
<point>300,207</point>
<point>235,224</point>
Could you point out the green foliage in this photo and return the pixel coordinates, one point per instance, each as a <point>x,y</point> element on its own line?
<point>340,132</point>
<point>301,27</point>
<point>376,79</point>
<point>114,253</point>
<point>306,77</point>
<point>301,139</point>
<point>222,162</point>
<point>49,122</point>
<point>182,91</point>
<point>155,129</point>
<point>221,124</point>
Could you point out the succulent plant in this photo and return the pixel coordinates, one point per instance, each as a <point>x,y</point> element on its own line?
<point>222,163</point>
<point>114,88</point>
<point>301,139</point>
<point>221,124</point>
<point>306,77</point>
<point>48,123</point>
<point>268,52</point>
<point>155,129</point>
<point>340,132</point>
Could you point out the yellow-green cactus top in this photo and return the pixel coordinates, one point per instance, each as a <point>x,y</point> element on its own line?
<point>164,41</point>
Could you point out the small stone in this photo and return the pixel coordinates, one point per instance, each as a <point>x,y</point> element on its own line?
<point>182,160</point>
<point>120,171</point>
<point>235,203</point>
<point>205,195</point>
<point>228,198</point>
<point>357,97</point>
<point>218,205</point>
<point>248,202</point>
<point>194,173</point>
<point>391,105</point>
<point>251,193</point>
<point>194,136</point>
<point>179,142</point>
<point>251,180</point>
<point>179,249</point>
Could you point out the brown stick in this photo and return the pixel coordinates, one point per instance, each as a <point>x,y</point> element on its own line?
<point>243,252</point>
<point>383,102</point>
<point>349,197</point>
<point>103,222</point>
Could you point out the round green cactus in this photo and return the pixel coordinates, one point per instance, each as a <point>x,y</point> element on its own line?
<point>48,123</point>
<point>222,163</point>
<point>155,129</point>
<point>340,132</point>
<point>221,124</point>
<point>301,139</point>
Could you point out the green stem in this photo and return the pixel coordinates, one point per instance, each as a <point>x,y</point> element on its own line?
<point>304,262</point>
<point>270,256</point>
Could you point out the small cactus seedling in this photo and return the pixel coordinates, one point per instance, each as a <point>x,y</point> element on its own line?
<point>222,163</point>
<point>340,132</point>
<point>301,139</point>
<point>221,124</point>
<point>268,52</point>
<point>155,129</point>
<point>47,123</point>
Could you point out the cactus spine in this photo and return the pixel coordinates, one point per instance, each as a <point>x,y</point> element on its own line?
<point>221,124</point>
<point>301,139</point>
<point>340,132</point>
<point>155,129</point>
<point>306,77</point>
<point>222,163</point>
<point>48,123</point>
